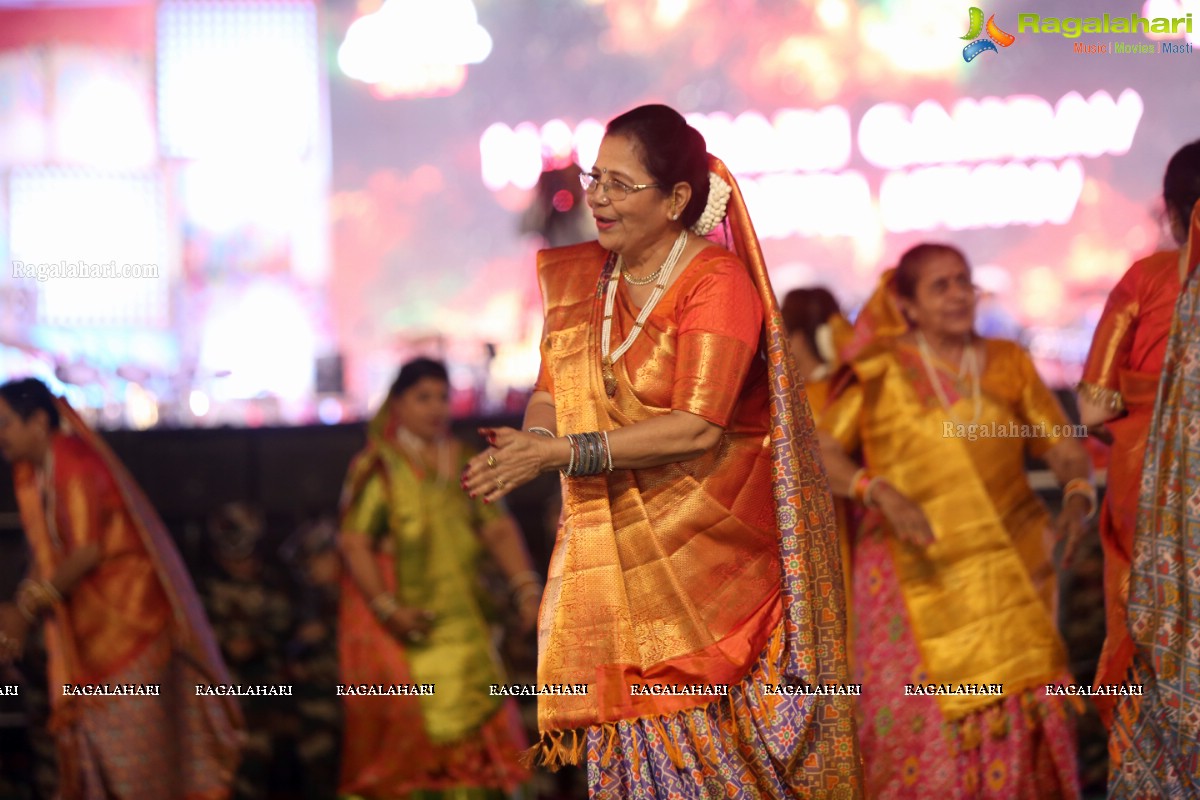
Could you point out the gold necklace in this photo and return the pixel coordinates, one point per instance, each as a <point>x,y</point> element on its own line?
<point>609,357</point>
<point>968,364</point>
<point>646,281</point>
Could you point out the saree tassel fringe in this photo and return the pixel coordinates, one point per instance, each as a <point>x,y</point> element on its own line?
<point>995,722</point>
<point>556,749</point>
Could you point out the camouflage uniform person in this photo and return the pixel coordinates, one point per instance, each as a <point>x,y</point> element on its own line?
<point>250,612</point>
<point>313,655</point>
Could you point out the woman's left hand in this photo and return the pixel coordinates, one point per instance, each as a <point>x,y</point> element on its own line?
<point>514,459</point>
<point>1071,526</point>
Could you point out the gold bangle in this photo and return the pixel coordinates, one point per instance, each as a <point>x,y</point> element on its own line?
<point>1105,398</point>
<point>851,489</point>
<point>1082,486</point>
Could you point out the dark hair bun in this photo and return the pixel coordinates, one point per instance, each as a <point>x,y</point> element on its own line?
<point>672,152</point>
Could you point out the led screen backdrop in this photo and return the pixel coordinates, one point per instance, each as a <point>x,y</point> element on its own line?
<point>325,189</point>
<point>857,130</point>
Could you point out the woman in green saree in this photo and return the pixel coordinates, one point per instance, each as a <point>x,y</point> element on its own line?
<point>417,659</point>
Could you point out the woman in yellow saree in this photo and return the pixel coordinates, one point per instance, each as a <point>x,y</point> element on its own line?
<point>953,582</point>
<point>121,616</point>
<point>412,611</point>
<point>698,551</point>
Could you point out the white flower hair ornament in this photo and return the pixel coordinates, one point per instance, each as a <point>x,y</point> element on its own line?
<point>826,348</point>
<point>714,210</point>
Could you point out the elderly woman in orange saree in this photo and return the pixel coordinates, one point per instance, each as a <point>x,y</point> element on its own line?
<point>953,583</point>
<point>1119,384</point>
<point>121,618</point>
<point>679,585</point>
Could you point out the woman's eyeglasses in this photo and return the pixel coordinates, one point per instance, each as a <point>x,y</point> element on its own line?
<point>613,189</point>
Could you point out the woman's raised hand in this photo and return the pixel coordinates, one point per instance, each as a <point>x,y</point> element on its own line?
<point>514,459</point>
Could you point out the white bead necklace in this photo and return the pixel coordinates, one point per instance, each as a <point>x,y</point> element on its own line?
<point>968,365</point>
<point>608,356</point>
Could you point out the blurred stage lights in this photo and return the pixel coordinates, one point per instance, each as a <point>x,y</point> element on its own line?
<point>198,403</point>
<point>415,48</point>
<point>891,136</point>
<point>977,164</point>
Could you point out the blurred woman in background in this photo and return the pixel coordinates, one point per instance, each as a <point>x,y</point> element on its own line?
<point>953,582</point>
<point>817,331</point>
<point>118,610</point>
<point>412,610</point>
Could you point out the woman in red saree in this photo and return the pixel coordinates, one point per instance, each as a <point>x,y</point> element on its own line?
<point>119,611</point>
<point>1154,742</point>
<point>1117,390</point>
<point>697,566</point>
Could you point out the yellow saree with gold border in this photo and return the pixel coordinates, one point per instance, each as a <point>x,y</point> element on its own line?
<point>977,605</point>
<point>981,597</point>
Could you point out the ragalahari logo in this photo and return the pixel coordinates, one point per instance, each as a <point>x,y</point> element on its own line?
<point>995,36</point>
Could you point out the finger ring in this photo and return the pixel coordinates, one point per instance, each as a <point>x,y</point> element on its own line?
<point>491,462</point>
<point>499,484</point>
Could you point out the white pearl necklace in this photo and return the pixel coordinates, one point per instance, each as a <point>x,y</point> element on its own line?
<point>969,365</point>
<point>609,357</point>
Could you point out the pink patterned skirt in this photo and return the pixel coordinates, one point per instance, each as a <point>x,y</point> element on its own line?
<point>1021,748</point>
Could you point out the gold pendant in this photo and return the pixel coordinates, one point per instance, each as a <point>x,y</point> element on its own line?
<point>610,377</point>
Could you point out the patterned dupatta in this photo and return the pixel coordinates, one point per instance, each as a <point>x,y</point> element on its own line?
<point>814,605</point>
<point>1159,737</point>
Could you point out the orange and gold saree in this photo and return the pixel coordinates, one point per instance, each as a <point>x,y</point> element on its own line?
<point>134,620</point>
<point>1122,372</point>
<point>719,571</point>
<point>976,606</point>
